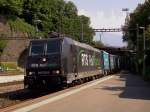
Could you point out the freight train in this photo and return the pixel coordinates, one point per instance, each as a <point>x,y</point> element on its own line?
<point>64,61</point>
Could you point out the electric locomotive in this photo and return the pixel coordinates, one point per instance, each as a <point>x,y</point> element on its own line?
<point>60,61</point>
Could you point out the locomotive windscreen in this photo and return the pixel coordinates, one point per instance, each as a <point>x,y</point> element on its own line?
<point>45,47</point>
<point>53,47</point>
<point>37,49</point>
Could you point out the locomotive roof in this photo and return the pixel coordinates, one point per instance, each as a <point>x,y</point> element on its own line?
<point>83,45</point>
<point>70,41</point>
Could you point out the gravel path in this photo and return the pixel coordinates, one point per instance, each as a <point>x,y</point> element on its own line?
<point>10,88</point>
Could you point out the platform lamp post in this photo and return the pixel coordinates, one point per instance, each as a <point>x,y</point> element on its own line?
<point>127,14</point>
<point>143,28</point>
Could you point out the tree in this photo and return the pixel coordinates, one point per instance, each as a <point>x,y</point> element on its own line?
<point>13,7</point>
<point>140,16</point>
<point>98,44</point>
<point>49,15</point>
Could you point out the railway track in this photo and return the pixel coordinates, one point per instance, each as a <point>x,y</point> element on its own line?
<point>14,94</point>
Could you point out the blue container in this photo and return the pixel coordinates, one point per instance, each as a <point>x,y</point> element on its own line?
<point>105,57</point>
<point>112,63</point>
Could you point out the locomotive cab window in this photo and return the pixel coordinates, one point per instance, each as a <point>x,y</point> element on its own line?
<point>53,46</point>
<point>37,49</point>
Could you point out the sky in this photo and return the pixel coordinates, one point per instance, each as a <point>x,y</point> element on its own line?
<point>106,14</point>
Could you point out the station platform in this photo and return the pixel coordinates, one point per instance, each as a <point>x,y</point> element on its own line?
<point>121,92</point>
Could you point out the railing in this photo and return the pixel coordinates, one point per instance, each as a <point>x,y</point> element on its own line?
<point>108,30</point>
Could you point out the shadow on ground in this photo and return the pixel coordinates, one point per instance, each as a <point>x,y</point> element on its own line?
<point>135,87</point>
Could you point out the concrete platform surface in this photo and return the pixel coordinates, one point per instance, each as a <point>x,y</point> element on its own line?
<point>118,93</point>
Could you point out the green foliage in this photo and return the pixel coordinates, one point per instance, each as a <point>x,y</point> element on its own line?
<point>148,38</point>
<point>19,25</point>
<point>46,16</point>
<point>11,7</point>
<point>58,16</point>
<point>3,44</point>
<point>97,44</point>
<point>140,16</point>
<point>9,65</point>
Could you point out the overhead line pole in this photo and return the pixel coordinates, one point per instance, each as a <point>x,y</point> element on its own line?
<point>137,49</point>
<point>143,28</point>
<point>144,67</point>
<point>82,31</point>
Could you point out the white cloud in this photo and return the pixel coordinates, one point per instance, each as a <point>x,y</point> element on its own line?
<point>107,19</point>
<point>101,19</point>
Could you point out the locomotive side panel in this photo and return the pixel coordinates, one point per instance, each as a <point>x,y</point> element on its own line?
<point>84,61</point>
<point>88,60</point>
<point>112,62</point>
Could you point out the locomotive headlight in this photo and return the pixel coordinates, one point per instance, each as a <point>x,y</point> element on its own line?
<point>56,72</point>
<point>44,59</point>
<point>31,73</point>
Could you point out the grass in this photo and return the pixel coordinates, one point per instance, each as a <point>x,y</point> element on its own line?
<point>10,68</point>
<point>9,65</point>
<point>19,25</point>
<point>3,44</point>
<point>10,73</point>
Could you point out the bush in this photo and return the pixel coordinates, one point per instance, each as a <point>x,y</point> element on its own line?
<point>10,68</point>
<point>9,65</point>
<point>19,25</point>
<point>3,44</point>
